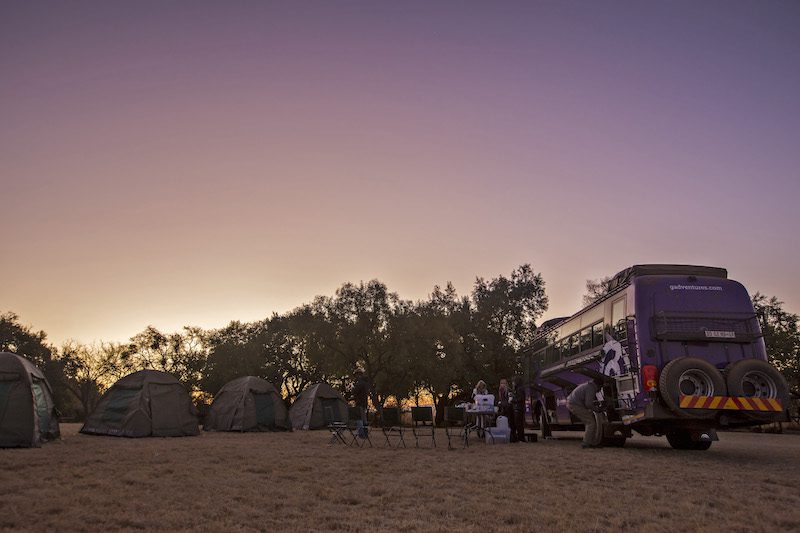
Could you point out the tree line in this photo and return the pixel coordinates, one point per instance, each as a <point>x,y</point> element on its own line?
<point>438,347</point>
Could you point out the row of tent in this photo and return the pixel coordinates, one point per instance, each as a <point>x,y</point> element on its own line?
<point>152,403</point>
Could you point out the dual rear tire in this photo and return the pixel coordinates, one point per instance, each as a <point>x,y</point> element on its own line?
<point>750,378</point>
<point>690,376</point>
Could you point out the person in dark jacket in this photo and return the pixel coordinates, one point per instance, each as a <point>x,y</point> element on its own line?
<point>361,390</point>
<point>582,402</point>
<point>504,407</point>
<point>518,405</point>
<point>360,397</point>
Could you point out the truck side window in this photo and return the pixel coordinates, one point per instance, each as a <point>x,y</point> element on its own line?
<point>618,319</point>
<point>597,335</point>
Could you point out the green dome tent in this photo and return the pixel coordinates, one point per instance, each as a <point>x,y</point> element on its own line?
<point>318,403</point>
<point>248,403</point>
<point>147,403</point>
<point>27,414</point>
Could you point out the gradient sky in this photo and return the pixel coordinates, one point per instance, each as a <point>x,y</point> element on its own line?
<point>190,163</point>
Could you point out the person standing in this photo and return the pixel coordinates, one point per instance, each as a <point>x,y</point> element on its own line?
<point>504,407</point>
<point>518,405</point>
<point>361,393</point>
<point>582,403</point>
<point>480,390</point>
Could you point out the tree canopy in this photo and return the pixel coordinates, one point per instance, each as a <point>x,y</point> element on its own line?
<point>596,289</point>
<point>781,337</point>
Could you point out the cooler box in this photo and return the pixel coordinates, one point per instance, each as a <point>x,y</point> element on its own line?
<point>495,435</point>
<point>484,402</point>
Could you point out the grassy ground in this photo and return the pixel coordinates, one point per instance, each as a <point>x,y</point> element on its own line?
<point>296,481</point>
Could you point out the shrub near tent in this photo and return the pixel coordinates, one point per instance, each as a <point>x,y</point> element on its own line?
<point>27,414</point>
<point>147,403</point>
<point>248,403</point>
<point>315,405</point>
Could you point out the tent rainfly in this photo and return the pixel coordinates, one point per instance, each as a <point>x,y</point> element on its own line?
<point>247,404</point>
<point>147,403</point>
<point>318,403</point>
<point>27,413</point>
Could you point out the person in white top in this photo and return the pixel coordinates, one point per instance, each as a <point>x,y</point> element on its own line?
<point>480,388</point>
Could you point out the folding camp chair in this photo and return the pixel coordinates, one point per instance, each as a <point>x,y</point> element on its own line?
<point>455,425</point>
<point>391,426</point>
<point>359,426</point>
<point>422,424</point>
<point>337,426</point>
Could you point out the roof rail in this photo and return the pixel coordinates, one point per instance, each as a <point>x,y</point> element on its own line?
<point>624,276</point>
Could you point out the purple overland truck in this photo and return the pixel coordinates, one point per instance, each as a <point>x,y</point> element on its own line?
<point>680,351</point>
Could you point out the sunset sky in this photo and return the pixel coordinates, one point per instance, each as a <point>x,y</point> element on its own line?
<point>191,163</point>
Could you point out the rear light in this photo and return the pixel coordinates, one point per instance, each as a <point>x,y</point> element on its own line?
<point>650,377</point>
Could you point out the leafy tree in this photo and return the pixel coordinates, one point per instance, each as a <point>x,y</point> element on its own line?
<point>353,330</point>
<point>181,354</point>
<point>443,339</point>
<point>781,336</point>
<point>22,340</point>
<point>233,352</point>
<point>503,322</point>
<point>596,289</point>
<point>462,340</point>
<point>275,349</point>
<point>90,370</point>
<point>404,360</point>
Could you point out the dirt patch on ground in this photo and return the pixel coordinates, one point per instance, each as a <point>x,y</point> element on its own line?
<point>296,481</point>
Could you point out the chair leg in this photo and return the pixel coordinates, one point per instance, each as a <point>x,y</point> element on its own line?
<point>337,436</point>
<point>432,435</point>
<point>365,439</point>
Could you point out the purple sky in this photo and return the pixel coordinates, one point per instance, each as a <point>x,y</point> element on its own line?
<point>190,163</point>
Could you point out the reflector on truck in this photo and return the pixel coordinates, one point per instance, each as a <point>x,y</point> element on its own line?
<point>731,403</point>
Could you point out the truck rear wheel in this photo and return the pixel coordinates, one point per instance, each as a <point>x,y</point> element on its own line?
<point>690,376</point>
<point>754,378</point>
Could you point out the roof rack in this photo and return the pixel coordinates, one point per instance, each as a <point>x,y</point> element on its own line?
<point>624,276</point>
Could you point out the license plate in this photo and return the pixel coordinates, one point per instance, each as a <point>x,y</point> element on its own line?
<point>721,334</point>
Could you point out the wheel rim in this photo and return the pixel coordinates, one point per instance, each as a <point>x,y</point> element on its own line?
<point>759,385</point>
<point>695,382</point>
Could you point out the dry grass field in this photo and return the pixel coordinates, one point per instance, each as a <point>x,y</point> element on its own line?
<point>296,482</point>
